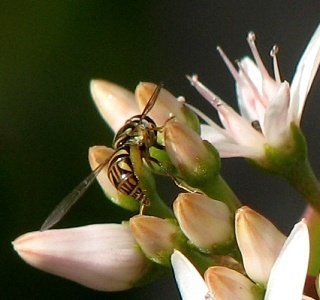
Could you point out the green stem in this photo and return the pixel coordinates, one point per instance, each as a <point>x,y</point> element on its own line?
<point>218,189</point>
<point>312,219</point>
<point>305,182</point>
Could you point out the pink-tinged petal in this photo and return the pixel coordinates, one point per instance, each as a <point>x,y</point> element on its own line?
<point>216,134</point>
<point>249,98</point>
<point>289,272</point>
<point>240,129</point>
<point>304,75</point>
<point>103,257</point>
<point>276,121</point>
<point>226,145</point>
<point>249,83</point>
<point>307,298</point>
<point>190,283</point>
<point>269,85</point>
<point>115,103</point>
<point>165,107</point>
<point>157,237</point>
<point>260,243</point>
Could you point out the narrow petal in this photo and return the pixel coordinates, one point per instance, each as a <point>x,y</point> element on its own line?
<point>276,121</point>
<point>240,128</point>
<point>250,106</point>
<point>288,274</point>
<point>304,75</point>
<point>115,103</point>
<point>190,283</point>
<point>226,145</point>
<point>103,257</point>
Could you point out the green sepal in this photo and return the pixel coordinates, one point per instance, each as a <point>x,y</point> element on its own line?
<point>207,179</point>
<point>192,119</point>
<point>126,202</point>
<point>284,160</point>
<point>205,171</point>
<point>154,272</point>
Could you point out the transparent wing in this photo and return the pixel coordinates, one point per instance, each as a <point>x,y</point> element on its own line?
<point>67,202</point>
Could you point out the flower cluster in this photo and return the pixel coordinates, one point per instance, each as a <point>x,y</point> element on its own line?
<point>217,248</point>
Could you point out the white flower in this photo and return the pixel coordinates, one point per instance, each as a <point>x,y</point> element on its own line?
<point>104,257</point>
<point>189,280</point>
<point>267,106</point>
<point>289,272</point>
<point>286,280</point>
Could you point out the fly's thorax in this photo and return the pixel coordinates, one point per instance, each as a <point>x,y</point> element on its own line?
<point>140,131</point>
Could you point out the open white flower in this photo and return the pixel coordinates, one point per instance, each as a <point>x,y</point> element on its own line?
<point>286,280</point>
<point>268,106</point>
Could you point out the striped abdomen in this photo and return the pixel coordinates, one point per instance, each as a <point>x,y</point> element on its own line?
<point>121,175</point>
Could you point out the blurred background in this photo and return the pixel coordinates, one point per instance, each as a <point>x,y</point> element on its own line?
<point>50,50</point>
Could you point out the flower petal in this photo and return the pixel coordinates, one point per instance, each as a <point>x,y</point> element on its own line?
<point>248,100</point>
<point>115,103</point>
<point>288,274</point>
<point>103,257</point>
<point>276,124</point>
<point>226,284</point>
<point>190,282</point>
<point>304,75</point>
<point>226,145</point>
<point>260,243</point>
<point>240,128</point>
<point>166,104</point>
<point>213,227</point>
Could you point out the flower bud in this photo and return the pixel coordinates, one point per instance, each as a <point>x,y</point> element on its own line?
<point>157,237</point>
<point>98,155</point>
<point>226,283</point>
<point>196,160</point>
<point>260,243</point>
<point>206,222</point>
<point>166,106</point>
<point>103,257</point>
<point>115,103</point>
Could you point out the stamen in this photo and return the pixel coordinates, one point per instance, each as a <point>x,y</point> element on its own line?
<point>251,41</point>
<point>200,114</point>
<point>273,53</point>
<point>229,64</point>
<point>181,99</point>
<point>212,98</point>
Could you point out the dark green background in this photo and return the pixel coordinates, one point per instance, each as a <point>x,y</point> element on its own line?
<point>49,51</point>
